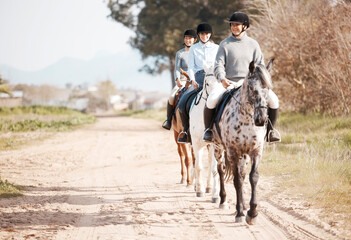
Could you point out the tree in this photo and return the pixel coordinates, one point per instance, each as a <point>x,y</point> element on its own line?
<point>106,89</point>
<point>159,25</point>
<point>4,88</point>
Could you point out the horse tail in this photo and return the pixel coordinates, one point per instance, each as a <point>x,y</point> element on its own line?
<point>228,174</point>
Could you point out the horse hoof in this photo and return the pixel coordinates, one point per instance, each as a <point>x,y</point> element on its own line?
<point>251,220</point>
<point>224,205</point>
<point>208,190</point>
<point>182,181</point>
<point>200,194</point>
<point>239,219</point>
<point>215,200</point>
<point>189,185</point>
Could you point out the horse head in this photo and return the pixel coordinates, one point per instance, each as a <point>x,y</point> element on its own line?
<point>210,81</point>
<point>258,84</point>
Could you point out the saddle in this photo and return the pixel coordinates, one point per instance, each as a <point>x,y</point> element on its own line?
<point>180,93</point>
<point>178,96</point>
<point>221,105</point>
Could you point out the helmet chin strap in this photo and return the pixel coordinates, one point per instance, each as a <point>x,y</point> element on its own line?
<point>206,41</point>
<point>242,30</point>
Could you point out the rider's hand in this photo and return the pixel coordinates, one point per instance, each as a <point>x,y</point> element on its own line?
<point>195,84</point>
<point>226,83</point>
<point>178,83</point>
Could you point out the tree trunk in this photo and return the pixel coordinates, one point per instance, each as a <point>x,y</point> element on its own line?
<point>171,69</point>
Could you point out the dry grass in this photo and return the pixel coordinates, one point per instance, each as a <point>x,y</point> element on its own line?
<point>313,161</point>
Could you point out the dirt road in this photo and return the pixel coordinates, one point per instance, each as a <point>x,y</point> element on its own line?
<point>118,179</point>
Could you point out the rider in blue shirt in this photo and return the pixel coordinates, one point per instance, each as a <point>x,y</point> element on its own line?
<point>203,51</point>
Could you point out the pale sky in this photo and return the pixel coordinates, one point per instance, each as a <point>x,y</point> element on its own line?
<point>38,33</point>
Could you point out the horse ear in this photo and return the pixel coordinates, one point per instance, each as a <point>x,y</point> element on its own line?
<point>252,67</point>
<point>270,65</point>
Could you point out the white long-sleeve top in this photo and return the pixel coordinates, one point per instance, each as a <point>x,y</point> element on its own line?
<point>200,53</point>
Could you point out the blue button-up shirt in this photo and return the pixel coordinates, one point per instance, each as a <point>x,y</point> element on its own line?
<point>198,54</point>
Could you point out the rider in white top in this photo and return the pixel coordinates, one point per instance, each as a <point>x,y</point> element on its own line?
<point>181,61</point>
<point>203,51</point>
<point>231,67</point>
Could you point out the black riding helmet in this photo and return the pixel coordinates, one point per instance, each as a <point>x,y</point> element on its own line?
<point>204,28</point>
<point>190,33</point>
<point>240,17</point>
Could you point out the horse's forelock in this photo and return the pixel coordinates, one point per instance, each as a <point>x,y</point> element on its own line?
<point>265,76</point>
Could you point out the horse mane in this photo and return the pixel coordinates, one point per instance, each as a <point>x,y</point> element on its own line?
<point>264,75</point>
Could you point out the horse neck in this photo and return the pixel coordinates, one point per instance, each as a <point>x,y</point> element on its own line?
<point>245,109</point>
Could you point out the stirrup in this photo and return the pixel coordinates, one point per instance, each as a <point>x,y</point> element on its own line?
<point>276,132</point>
<point>185,134</point>
<point>208,130</point>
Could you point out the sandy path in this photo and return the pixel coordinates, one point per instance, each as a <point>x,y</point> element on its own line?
<point>118,179</point>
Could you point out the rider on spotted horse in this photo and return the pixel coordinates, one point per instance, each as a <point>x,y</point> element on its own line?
<point>181,62</point>
<point>232,63</point>
<point>202,52</point>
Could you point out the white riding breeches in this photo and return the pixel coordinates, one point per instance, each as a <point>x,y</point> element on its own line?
<point>176,89</point>
<point>215,96</point>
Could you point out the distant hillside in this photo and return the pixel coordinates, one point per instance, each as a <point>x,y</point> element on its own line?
<point>122,69</point>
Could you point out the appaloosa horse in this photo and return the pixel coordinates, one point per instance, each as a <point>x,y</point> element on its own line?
<point>240,137</point>
<point>185,153</point>
<point>197,128</point>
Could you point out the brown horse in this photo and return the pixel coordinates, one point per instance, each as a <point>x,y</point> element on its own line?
<point>186,155</point>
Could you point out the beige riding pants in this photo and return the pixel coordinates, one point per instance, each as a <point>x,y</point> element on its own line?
<point>176,89</point>
<point>215,95</point>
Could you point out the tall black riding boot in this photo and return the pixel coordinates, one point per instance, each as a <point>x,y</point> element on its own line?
<point>271,136</point>
<point>186,136</point>
<point>208,119</point>
<point>168,123</point>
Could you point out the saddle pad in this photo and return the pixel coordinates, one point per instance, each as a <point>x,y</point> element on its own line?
<point>190,102</point>
<point>221,105</point>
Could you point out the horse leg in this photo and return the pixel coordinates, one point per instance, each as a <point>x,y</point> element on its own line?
<point>210,174</point>
<point>254,176</point>
<point>199,188</point>
<point>214,175</point>
<point>239,177</point>
<point>181,156</point>
<point>188,164</point>
<point>221,168</point>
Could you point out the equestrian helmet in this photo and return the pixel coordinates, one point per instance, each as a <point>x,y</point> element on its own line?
<point>240,17</point>
<point>190,33</point>
<point>204,28</point>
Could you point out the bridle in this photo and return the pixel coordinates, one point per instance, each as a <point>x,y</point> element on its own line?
<point>203,89</point>
<point>259,106</point>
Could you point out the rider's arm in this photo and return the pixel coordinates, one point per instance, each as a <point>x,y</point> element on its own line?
<point>177,67</point>
<point>258,55</point>
<point>191,63</point>
<point>219,66</point>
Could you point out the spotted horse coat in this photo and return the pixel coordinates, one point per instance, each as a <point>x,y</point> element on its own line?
<point>243,128</point>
